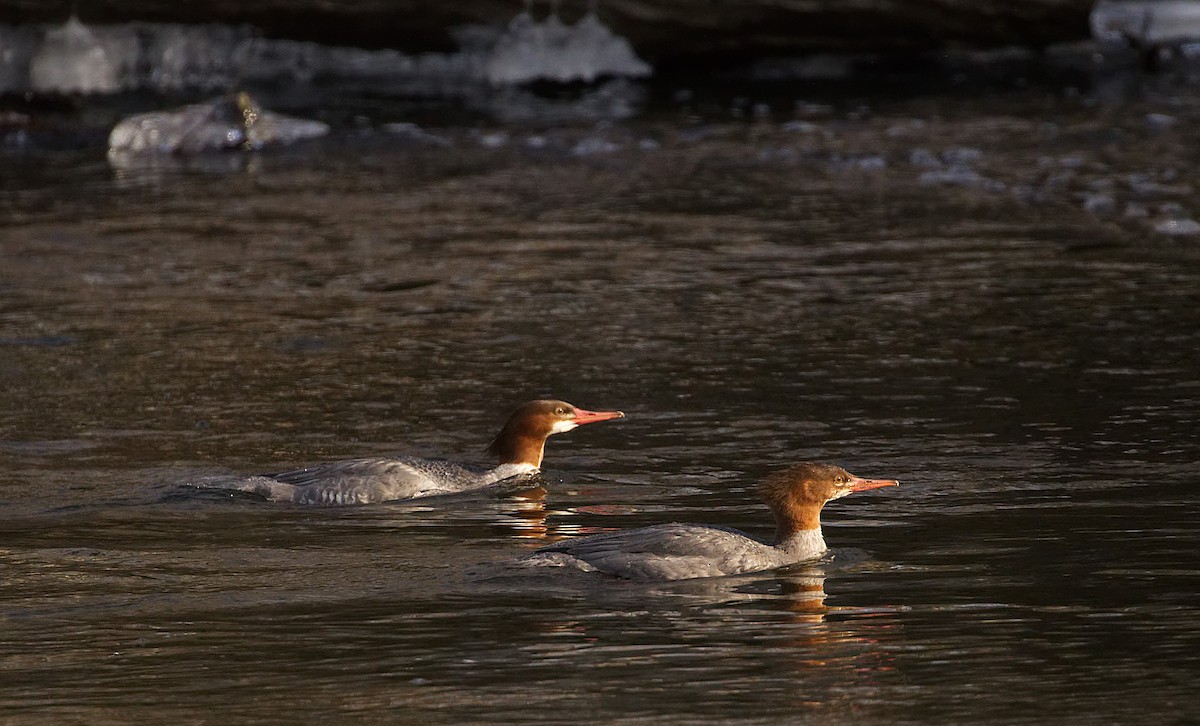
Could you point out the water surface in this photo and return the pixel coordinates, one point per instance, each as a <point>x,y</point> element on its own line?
<point>967,295</point>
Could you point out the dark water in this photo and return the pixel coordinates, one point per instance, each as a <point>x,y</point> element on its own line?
<point>1012,340</point>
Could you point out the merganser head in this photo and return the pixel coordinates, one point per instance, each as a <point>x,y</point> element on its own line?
<point>796,494</point>
<point>523,437</point>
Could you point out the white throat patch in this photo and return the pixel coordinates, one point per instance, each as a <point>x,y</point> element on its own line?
<point>561,427</point>
<point>838,494</point>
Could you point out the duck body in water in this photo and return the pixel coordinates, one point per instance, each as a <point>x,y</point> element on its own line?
<point>519,447</point>
<point>683,551</point>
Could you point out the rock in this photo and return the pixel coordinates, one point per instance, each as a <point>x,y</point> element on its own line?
<point>676,30</point>
<point>550,50</point>
<point>234,121</point>
<point>1142,23</point>
<point>73,59</point>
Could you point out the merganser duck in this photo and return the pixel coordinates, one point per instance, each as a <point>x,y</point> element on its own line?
<point>683,551</point>
<point>519,447</point>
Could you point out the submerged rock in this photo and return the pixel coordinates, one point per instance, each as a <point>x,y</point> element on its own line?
<point>1178,227</point>
<point>413,132</point>
<point>234,121</point>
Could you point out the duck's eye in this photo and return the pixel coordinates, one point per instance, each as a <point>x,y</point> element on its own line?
<point>560,411</point>
<point>841,479</point>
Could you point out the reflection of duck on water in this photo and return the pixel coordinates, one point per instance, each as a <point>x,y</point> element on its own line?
<point>527,513</point>
<point>814,640</point>
<point>798,590</point>
<point>527,516</point>
<point>683,551</point>
<point>804,595</point>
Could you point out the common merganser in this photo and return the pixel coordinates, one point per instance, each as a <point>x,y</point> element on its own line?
<point>683,551</point>
<point>519,447</point>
